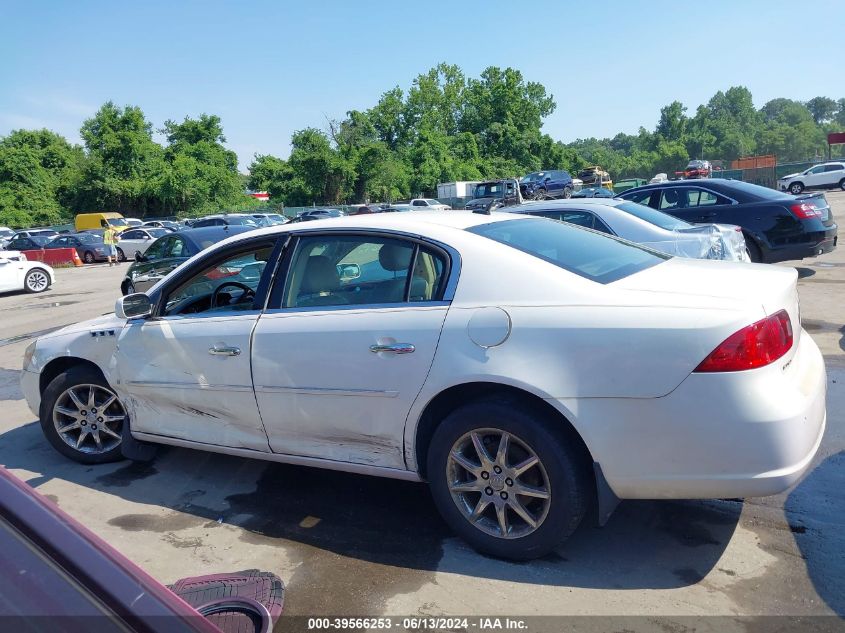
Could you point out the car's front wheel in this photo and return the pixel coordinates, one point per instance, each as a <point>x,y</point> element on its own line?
<point>82,417</point>
<point>842,184</point>
<point>36,280</point>
<point>88,257</point>
<point>540,194</point>
<point>567,192</point>
<point>505,481</point>
<point>795,188</point>
<point>121,256</point>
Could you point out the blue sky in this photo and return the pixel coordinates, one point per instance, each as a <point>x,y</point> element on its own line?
<point>269,67</point>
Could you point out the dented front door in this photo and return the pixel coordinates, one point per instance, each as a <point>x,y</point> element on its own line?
<point>189,377</point>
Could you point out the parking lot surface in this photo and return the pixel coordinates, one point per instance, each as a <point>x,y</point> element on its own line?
<point>353,545</point>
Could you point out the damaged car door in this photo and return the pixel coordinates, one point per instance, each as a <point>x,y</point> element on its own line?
<point>346,343</point>
<point>185,372</point>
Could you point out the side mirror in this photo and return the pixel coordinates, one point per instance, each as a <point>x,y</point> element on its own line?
<point>134,306</point>
<point>348,271</point>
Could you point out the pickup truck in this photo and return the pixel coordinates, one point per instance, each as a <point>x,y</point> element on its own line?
<point>491,194</point>
<point>422,204</point>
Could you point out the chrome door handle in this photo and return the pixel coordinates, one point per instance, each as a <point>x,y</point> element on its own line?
<point>393,348</point>
<point>224,351</point>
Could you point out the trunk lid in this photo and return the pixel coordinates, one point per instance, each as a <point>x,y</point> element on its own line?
<point>721,285</point>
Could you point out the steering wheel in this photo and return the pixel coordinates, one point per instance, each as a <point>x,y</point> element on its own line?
<point>236,284</point>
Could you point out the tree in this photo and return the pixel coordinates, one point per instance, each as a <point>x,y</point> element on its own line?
<point>673,122</point>
<point>38,169</point>
<point>823,109</point>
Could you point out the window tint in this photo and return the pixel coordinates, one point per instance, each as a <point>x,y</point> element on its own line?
<point>598,225</point>
<point>579,218</point>
<point>156,249</point>
<point>640,197</point>
<point>833,168</point>
<point>816,170</point>
<point>419,203</point>
<point>226,285</point>
<point>595,257</point>
<point>132,235</point>
<point>355,270</point>
<point>653,216</point>
<point>176,247</point>
<point>701,198</point>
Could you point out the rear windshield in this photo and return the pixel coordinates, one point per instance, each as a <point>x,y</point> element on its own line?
<point>653,216</point>
<point>757,191</point>
<point>587,253</point>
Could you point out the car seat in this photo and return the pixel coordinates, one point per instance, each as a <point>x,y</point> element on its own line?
<point>393,258</point>
<point>320,284</point>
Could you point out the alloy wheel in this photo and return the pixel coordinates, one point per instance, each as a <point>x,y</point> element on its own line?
<point>37,281</point>
<point>498,483</point>
<point>89,418</point>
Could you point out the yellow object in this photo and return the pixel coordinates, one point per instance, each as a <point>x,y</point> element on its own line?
<point>88,221</point>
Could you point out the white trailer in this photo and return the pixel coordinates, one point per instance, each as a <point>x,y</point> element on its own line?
<point>460,189</point>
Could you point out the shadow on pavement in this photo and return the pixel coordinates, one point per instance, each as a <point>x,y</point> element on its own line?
<point>384,522</point>
<point>816,511</point>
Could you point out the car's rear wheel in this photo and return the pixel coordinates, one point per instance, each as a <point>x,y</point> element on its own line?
<point>36,280</point>
<point>753,251</point>
<point>82,417</point>
<point>88,257</point>
<point>795,188</point>
<point>504,481</point>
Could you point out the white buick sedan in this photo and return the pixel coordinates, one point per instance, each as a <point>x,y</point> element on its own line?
<point>525,368</point>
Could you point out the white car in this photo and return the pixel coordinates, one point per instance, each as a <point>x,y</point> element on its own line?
<point>644,225</point>
<point>825,176</point>
<point>428,204</point>
<point>5,235</point>
<point>16,273</point>
<point>133,222</point>
<point>525,368</point>
<point>134,242</point>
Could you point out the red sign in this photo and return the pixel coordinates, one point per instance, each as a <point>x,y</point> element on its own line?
<point>835,138</point>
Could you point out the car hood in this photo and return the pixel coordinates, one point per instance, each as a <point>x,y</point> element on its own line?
<point>480,202</point>
<point>106,323</point>
<point>788,176</point>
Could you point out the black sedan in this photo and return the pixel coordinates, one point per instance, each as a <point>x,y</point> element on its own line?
<point>34,243</point>
<point>777,226</point>
<point>89,246</point>
<point>167,252</point>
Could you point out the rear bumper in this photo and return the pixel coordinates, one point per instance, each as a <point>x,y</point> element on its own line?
<point>817,243</point>
<point>738,434</point>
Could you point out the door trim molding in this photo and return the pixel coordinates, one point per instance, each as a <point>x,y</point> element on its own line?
<point>324,391</point>
<point>188,385</point>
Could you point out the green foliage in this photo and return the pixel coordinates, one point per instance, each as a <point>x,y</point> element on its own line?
<point>444,127</point>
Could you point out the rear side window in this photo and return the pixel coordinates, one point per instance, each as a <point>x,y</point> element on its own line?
<point>833,168</point>
<point>653,216</point>
<point>590,255</point>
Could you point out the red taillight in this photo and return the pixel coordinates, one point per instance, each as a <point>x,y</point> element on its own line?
<point>754,346</point>
<point>805,211</point>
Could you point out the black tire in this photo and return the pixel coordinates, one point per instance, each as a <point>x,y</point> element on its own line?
<point>567,193</point>
<point>36,280</point>
<point>842,184</point>
<point>540,194</point>
<point>121,257</point>
<point>128,288</point>
<point>754,252</point>
<point>795,188</point>
<point>88,258</point>
<point>567,470</point>
<point>78,375</point>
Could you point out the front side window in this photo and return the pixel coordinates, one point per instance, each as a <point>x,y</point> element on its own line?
<point>340,270</point>
<point>640,197</point>
<point>132,235</point>
<point>590,255</point>
<point>157,249</point>
<point>226,285</point>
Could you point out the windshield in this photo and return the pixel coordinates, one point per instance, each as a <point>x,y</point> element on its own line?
<point>158,232</point>
<point>653,216</point>
<point>591,255</point>
<point>531,177</point>
<point>490,190</point>
<point>117,221</point>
